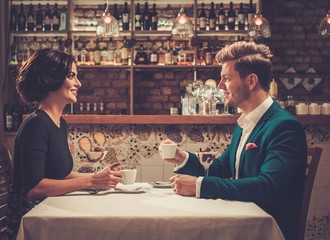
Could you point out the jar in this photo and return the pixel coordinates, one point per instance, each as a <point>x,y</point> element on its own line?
<point>314,109</point>
<point>302,109</point>
<point>326,109</point>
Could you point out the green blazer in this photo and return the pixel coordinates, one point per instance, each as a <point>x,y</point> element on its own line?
<point>271,174</point>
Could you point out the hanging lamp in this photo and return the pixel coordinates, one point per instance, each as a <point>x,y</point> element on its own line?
<point>108,24</point>
<point>259,27</point>
<point>324,29</point>
<point>182,25</point>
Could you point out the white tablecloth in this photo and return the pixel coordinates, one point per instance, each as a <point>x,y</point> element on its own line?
<point>155,214</point>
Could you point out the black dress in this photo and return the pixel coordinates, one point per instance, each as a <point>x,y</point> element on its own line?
<point>41,151</point>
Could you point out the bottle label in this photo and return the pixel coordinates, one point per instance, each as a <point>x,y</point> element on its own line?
<point>154,58</point>
<point>168,58</point>
<point>222,19</point>
<point>125,17</point>
<point>212,23</point>
<point>231,20</point>
<point>63,21</point>
<point>208,58</point>
<point>202,22</point>
<point>124,53</point>
<point>9,121</point>
<point>137,20</point>
<point>56,20</point>
<point>241,18</point>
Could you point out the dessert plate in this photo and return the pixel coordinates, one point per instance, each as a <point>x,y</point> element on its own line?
<point>160,184</point>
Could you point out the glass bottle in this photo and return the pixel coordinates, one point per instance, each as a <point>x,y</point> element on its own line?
<point>141,56</point>
<point>8,117</point>
<point>146,17</point>
<point>202,18</point>
<point>48,18</point>
<point>56,18</point>
<point>208,55</point>
<point>111,52</point>
<point>125,17</point>
<point>241,17</point>
<point>290,104</point>
<point>175,55</point>
<point>117,16</point>
<point>138,17</point>
<point>168,54</point>
<point>182,54</point>
<point>39,19</point>
<point>154,56</point>
<point>124,54</point>
<point>63,19</point>
<point>154,18</point>
<point>231,17</point>
<point>21,19</point>
<point>221,18</point>
<point>13,18</point>
<point>212,18</point>
<point>97,54</point>
<point>250,13</point>
<point>30,19</point>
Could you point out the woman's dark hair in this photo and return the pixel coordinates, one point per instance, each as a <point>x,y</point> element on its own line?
<point>44,72</point>
<point>249,58</point>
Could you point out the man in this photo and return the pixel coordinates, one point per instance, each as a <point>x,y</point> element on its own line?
<point>266,160</point>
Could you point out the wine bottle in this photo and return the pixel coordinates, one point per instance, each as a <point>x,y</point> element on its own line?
<point>39,18</point>
<point>124,53</point>
<point>30,19</point>
<point>14,51</point>
<point>64,19</point>
<point>116,15</point>
<point>125,17</point>
<point>97,54</point>
<point>175,55</point>
<point>141,56</point>
<point>168,54</point>
<point>146,17</point>
<point>154,18</point>
<point>8,117</point>
<point>241,17</point>
<point>56,18</point>
<point>231,17</point>
<point>221,18</point>
<point>154,56</point>
<point>208,55</point>
<point>212,18</point>
<point>250,13</point>
<point>13,18</point>
<point>21,19</point>
<point>48,18</point>
<point>202,18</point>
<point>138,17</point>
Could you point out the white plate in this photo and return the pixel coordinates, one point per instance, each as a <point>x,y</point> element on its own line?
<point>130,190</point>
<point>160,184</point>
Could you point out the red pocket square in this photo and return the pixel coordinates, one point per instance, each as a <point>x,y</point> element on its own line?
<point>249,146</point>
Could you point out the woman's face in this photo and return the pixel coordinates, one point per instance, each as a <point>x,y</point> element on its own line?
<point>69,89</point>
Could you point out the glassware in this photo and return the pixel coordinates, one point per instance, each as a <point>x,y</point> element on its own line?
<point>206,159</point>
<point>225,110</point>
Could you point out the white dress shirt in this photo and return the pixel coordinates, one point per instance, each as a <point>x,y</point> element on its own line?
<point>247,123</point>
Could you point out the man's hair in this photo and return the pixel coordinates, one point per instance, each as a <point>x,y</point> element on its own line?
<point>248,58</point>
<point>44,72</point>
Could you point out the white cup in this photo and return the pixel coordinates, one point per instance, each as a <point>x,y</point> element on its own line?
<point>167,150</point>
<point>129,176</point>
<point>314,109</point>
<point>326,109</point>
<point>302,109</point>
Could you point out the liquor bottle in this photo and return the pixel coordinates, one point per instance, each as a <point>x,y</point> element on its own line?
<point>64,19</point>
<point>124,53</point>
<point>290,105</point>
<point>14,51</point>
<point>56,19</point>
<point>175,55</point>
<point>141,56</point>
<point>241,17</point>
<point>117,16</point>
<point>154,56</point>
<point>13,18</point>
<point>48,19</point>
<point>30,19</point>
<point>8,117</point>
<point>154,18</point>
<point>221,18</point>
<point>104,56</point>
<point>168,54</point>
<point>111,52</point>
<point>21,19</point>
<point>90,51</point>
<point>182,55</point>
<point>212,18</point>
<point>138,17</point>
<point>83,54</point>
<point>202,18</point>
<point>39,18</point>
<point>146,17</point>
<point>97,54</point>
<point>231,17</point>
<point>250,13</point>
<point>125,17</point>
<point>208,55</point>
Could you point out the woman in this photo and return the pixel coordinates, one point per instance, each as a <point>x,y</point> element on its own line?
<point>42,160</point>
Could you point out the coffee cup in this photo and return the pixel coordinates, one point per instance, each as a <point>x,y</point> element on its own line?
<point>129,176</point>
<point>167,150</point>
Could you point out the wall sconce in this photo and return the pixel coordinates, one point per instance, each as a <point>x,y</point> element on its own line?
<point>108,24</point>
<point>182,25</point>
<point>324,29</point>
<point>259,27</point>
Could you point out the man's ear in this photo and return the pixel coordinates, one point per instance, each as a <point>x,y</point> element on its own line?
<point>252,81</point>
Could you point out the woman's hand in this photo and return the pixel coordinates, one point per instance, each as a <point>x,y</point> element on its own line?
<point>109,177</point>
<point>179,154</point>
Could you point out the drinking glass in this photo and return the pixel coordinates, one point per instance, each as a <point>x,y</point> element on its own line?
<point>206,159</point>
<point>222,98</point>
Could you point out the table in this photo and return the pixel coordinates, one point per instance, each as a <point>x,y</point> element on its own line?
<point>154,214</point>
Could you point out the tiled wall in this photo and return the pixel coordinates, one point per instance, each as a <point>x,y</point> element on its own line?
<point>137,145</point>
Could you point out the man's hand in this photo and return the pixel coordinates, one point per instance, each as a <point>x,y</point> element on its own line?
<point>179,154</point>
<point>184,185</point>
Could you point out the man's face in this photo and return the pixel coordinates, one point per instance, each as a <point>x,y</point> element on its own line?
<point>236,90</point>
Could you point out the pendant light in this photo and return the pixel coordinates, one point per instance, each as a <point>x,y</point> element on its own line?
<point>108,24</point>
<point>259,27</point>
<point>182,25</point>
<point>324,29</point>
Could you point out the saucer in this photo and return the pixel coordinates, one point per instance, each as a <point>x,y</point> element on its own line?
<point>160,184</point>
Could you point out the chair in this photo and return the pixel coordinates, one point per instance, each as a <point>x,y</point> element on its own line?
<point>314,155</point>
<point>5,179</point>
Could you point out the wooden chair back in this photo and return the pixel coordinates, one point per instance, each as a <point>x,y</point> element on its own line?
<point>5,180</point>
<point>314,155</point>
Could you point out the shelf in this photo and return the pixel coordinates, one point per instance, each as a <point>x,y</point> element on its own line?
<point>42,2</point>
<point>176,119</point>
<point>39,33</point>
<point>86,66</point>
